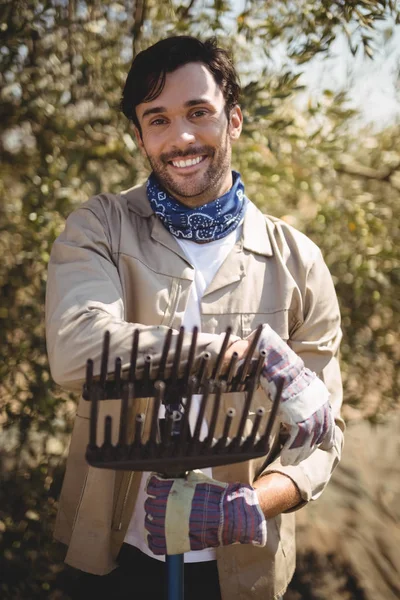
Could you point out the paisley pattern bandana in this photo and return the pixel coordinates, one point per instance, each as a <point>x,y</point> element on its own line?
<point>206,223</point>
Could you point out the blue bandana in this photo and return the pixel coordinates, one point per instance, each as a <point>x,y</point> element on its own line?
<point>206,223</point>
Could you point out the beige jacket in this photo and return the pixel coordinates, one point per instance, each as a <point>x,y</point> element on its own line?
<point>116,267</point>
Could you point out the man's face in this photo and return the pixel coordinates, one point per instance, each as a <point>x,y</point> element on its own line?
<point>187,137</point>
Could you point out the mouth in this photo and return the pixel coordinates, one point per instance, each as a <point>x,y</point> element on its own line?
<point>187,163</point>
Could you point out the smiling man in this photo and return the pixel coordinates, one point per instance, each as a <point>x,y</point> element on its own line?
<point>189,248</point>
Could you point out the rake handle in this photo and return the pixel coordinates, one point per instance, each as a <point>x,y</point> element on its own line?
<point>175,576</point>
<point>175,564</point>
<point>175,571</point>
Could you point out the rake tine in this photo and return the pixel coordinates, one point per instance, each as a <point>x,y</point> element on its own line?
<point>104,359</point>
<point>260,412</point>
<point>89,375</point>
<point>139,422</point>
<point>264,441</point>
<point>221,354</point>
<point>245,411</point>
<point>221,388</point>
<point>147,370</point>
<point>134,356</point>
<point>107,430</point>
<point>177,357</point>
<point>117,377</point>
<point>259,365</point>
<point>94,410</point>
<point>249,356</point>
<point>256,364</point>
<point>202,374</point>
<point>185,419</point>
<point>200,417</point>
<point>164,355</point>
<point>231,368</point>
<point>230,414</point>
<point>127,394</point>
<point>154,430</point>
<point>192,351</point>
<point>107,448</point>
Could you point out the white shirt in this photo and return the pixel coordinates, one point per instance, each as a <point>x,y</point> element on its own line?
<point>206,260</point>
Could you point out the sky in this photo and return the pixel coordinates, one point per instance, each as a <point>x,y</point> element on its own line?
<point>371,83</point>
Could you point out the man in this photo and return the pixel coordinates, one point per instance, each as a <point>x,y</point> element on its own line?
<point>189,248</point>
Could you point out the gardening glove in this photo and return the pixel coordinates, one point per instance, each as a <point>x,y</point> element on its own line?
<point>197,512</point>
<point>304,410</point>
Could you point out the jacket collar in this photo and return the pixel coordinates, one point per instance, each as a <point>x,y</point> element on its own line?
<point>138,203</point>
<point>255,233</point>
<point>255,236</point>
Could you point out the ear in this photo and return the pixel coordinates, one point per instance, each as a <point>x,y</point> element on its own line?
<point>235,123</point>
<point>139,140</point>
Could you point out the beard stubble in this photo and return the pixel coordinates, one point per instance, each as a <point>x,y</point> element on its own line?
<point>195,191</point>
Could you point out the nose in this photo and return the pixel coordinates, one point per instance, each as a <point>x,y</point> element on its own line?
<point>182,134</point>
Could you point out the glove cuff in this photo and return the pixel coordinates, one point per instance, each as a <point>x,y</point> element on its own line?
<point>242,520</point>
<point>303,404</point>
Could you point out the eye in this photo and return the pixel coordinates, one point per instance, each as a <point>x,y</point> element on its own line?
<point>200,112</point>
<point>158,121</point>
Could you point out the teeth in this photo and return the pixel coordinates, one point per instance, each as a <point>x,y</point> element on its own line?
<point>187,163</point>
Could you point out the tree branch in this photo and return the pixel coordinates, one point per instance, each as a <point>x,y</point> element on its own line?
<point>183,11</point>
<point>138,20</point>
<point>369,172</point>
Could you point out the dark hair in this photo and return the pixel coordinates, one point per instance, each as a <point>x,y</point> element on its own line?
<point>146,77</point>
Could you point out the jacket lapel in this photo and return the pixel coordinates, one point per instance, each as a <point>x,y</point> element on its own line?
<point>138,203</point>
<point>162,236</point>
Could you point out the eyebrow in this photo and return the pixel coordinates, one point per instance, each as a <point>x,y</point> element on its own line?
<point>161,109</point>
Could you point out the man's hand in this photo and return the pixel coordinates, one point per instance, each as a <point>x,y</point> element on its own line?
<point>198,512</point>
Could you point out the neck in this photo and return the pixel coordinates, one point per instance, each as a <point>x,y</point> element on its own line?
<point>209,195</point>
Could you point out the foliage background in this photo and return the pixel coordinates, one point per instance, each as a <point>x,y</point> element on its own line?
<point>62,139</point>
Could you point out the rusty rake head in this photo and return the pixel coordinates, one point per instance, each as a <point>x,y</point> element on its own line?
<point>174,448</point>
<point>172,445</point>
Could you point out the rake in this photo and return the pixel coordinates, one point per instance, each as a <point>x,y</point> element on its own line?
<point>173,447</point>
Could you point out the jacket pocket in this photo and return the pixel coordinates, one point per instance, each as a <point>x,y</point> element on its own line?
<point>284,527</point>
<point>279,321</point>
<point>75,478</point>
<point>171,309</point>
